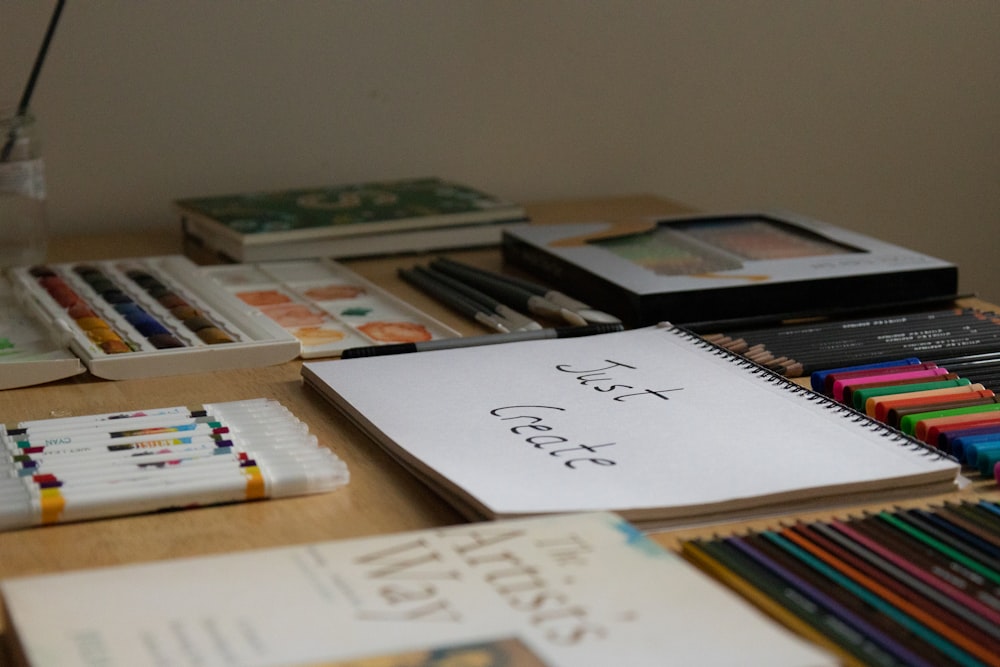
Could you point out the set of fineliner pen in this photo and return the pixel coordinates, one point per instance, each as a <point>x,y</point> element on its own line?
<point>932,403</point>
<point>90,467</point>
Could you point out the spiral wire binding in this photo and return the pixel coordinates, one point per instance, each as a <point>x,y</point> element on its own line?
<point>829,404</point>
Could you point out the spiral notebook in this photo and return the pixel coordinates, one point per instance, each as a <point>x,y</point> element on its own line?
<point>655,423</point>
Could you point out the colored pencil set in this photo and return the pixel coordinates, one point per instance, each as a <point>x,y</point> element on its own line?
<point>932,403</point>
<point>953,336</point>
<point>903,587</point>
<point>78,468</point>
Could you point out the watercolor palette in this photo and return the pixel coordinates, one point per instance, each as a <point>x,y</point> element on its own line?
<point>326,306</point>
<point>29,353</point>
<point>148,317</point>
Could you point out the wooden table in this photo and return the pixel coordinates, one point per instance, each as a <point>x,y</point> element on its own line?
<point>380,498</point>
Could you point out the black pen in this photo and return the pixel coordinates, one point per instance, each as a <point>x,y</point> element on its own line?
<point>454,300</point>
<point>557,303</point>
<point>488,339</point>
<point>514,320</point>
<point>507,292</point>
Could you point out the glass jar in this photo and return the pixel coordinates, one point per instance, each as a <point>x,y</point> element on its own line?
<point>23,226</point>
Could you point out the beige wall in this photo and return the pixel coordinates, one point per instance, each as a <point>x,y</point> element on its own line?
<point>882,116</point>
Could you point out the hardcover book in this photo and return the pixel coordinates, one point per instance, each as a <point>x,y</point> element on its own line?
<point>346,221</point>
<point>707,267</point>
<point>654,423</point>
<point>575,590</point>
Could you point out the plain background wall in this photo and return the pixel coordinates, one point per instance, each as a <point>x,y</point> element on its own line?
<point>878,115</point>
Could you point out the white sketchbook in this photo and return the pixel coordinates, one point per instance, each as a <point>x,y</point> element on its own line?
<point>653,423</point>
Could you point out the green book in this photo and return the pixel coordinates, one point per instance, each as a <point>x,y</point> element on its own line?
<point>363,219</point>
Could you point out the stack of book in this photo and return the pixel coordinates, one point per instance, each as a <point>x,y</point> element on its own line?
<point>377,218</point>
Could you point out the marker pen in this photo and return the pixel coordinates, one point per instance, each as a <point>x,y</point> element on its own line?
<point>271,438</point>
<point>118,468</point>
<point>971,446</point>
<point>101,455</point>
<point>58,422</point>
<point>187,468</point>
<point>122,437</point>
<point>139,435</point>
<point>26,467</point>
<point>118,475</point>
<point>155,421</point>
<point>162,482</point>
<point>26,507</point>
<point>18,434</point>
<point>247,404</point>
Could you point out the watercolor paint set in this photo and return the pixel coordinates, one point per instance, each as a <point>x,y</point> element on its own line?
<point>705,267</point>
<point>143,317</point>
<point>30,353</point>
<point>327,307</point>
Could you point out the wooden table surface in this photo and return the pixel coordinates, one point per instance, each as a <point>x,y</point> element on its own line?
<point>380,498</point>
